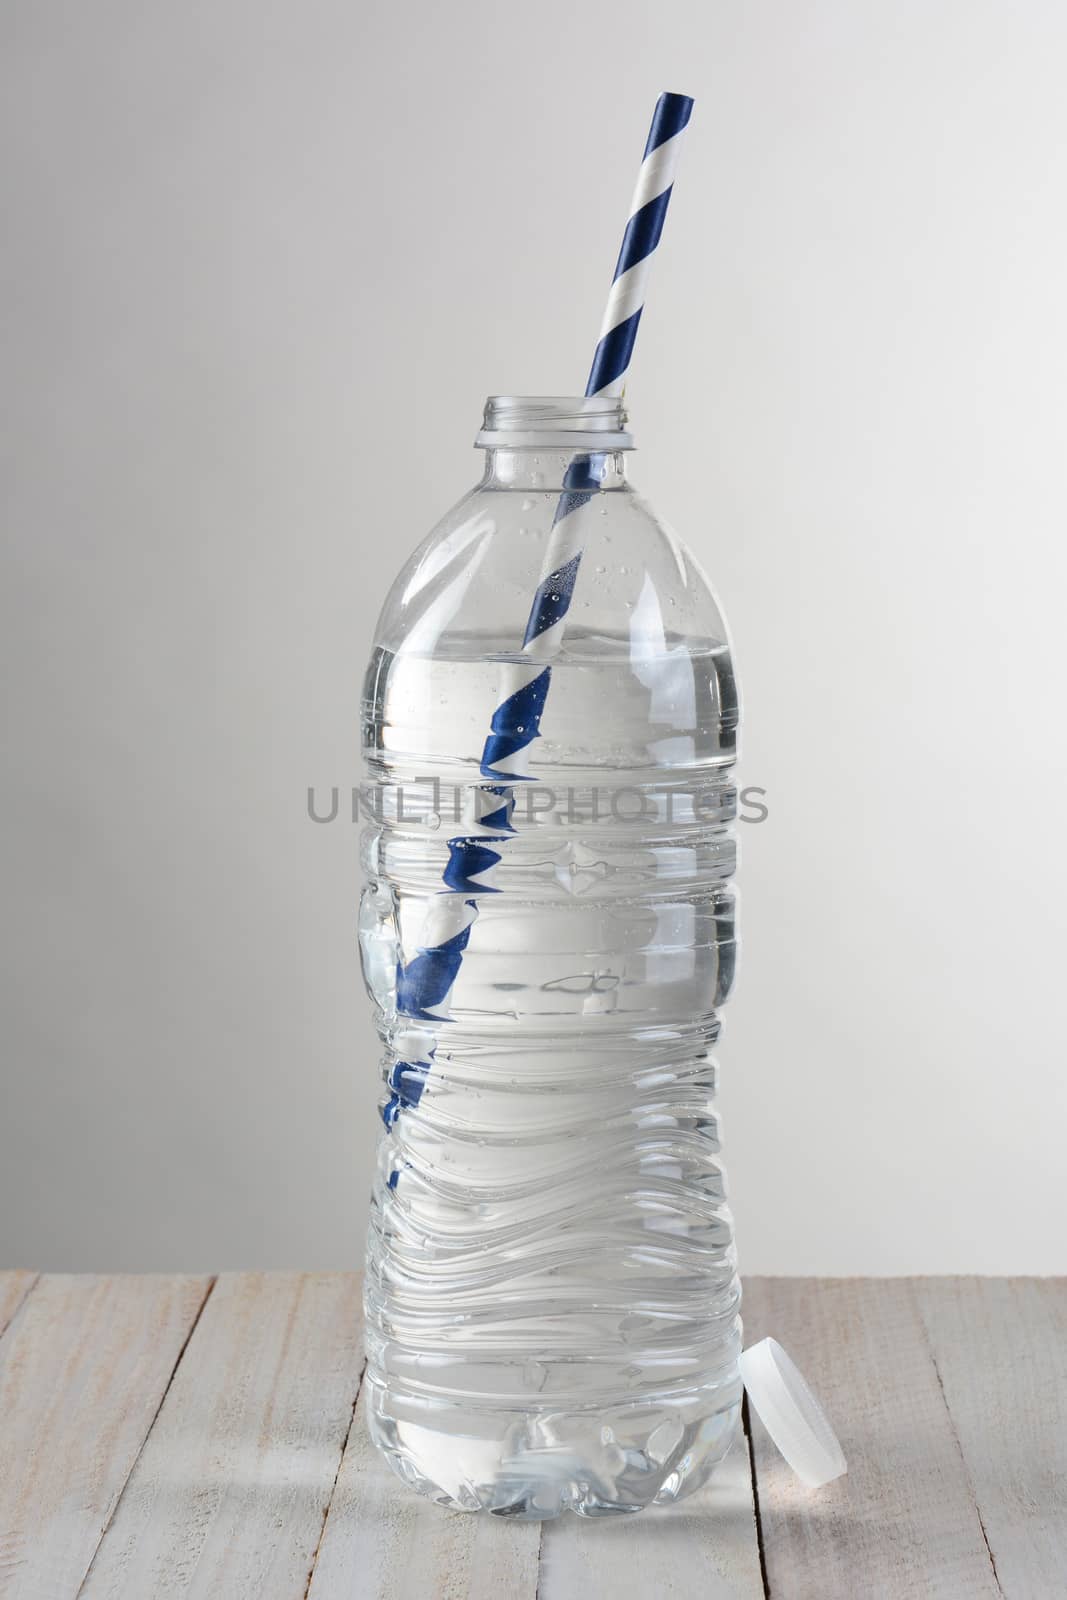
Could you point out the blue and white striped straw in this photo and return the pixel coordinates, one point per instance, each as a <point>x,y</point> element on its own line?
<point>424,985</point>
<point>648,208</point>
<point>517,721</point>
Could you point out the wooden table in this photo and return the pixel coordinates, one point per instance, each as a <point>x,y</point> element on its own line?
<point>196,1436</point>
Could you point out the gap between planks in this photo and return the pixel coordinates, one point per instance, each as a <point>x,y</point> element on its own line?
<point>14,1289</point>
<point>746,1423</point>
<point>333,1487</point>
<point>162,1400</point>
<point>999,1347</point>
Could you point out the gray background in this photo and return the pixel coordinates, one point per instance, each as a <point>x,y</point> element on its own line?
<point>263,264</point>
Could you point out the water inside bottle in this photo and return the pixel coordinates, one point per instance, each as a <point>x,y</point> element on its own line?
<point>551,1289</point>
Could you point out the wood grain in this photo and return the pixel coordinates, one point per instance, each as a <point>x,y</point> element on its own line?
<point>1000,1347</point>
<point>903,1522</point>
<point>228,1498</point>
<point>83,1367</point>
<point>381,1540</point>
<point>705,1546</point>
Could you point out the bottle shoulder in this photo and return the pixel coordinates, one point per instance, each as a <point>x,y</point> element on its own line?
<point>472,580</point>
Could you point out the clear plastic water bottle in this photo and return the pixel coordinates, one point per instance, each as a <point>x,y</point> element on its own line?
<point>551,1295</point>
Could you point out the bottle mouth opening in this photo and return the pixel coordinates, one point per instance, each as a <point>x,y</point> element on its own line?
<point>519,422</point>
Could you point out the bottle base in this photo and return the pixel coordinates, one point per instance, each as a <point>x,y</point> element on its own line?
<point>534,1466</point>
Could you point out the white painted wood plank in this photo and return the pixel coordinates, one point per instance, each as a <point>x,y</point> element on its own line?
<point>83,1368</point>
<point>1000,1347</point>
<point>228,1497</point>
<point>383,1540</point>
<point>14,1287</point>
<point>705,1546</point>
<point>904,1521</point>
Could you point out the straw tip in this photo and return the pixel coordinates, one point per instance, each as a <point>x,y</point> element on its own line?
<point>676,107</point>
<point>669,118</point>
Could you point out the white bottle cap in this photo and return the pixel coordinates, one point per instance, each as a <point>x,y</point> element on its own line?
<point>791,1414</point>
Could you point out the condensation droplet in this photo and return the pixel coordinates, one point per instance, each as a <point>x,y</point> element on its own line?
<point>433,820</point>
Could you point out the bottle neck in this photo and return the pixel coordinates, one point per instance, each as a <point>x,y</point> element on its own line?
<point>542,442</point>
<point>540,471</point>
